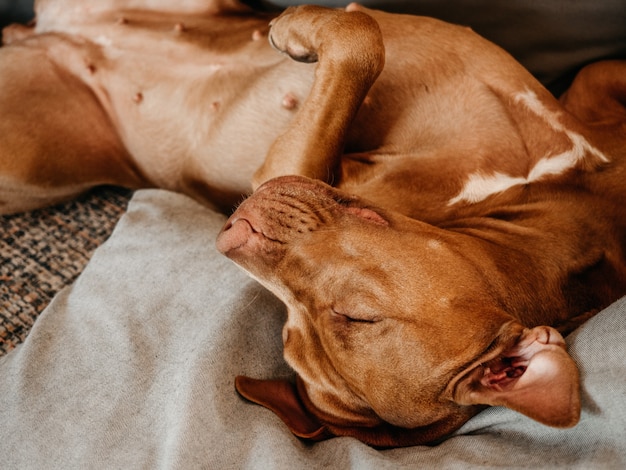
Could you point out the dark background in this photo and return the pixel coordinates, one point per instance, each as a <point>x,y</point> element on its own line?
<point>11,11</point>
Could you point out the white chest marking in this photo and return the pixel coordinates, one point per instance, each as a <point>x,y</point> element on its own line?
<point>480,186</point>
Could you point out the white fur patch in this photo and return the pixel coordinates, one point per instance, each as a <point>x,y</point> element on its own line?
<point>103,41</point>
<point>480,186</point>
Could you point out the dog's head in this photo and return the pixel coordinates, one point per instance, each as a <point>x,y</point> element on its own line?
<point>391,326</point>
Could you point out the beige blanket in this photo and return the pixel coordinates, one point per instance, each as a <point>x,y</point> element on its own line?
<point>133,367</point>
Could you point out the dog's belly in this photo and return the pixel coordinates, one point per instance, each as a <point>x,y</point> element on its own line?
<point>197,102</point>
<point>205,123</point>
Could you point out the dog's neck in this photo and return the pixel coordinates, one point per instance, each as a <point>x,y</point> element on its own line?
<point>529,259</point>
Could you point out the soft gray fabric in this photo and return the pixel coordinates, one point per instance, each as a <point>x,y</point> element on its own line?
<point>133,366</point>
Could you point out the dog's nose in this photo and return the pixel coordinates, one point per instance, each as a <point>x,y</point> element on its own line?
<point>233,235</point>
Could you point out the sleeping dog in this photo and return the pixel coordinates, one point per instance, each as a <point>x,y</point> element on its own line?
<point>432,217</point>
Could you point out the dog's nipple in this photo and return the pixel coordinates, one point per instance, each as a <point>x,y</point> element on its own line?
<point>138,97</point>
<point>257,35</point>
<point>290,102</point>
<point>179,27</point>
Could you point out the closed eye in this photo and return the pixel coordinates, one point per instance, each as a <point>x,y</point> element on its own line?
<point>352,317</point>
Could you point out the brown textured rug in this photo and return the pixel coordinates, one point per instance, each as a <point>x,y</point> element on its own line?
<point>45,250</point>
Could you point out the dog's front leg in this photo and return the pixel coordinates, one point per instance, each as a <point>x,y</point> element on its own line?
<point>349,49</point>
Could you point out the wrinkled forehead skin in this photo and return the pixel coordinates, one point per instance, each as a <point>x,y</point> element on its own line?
<point>382,309</point>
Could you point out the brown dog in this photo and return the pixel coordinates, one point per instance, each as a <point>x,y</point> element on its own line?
<point>472,214</point>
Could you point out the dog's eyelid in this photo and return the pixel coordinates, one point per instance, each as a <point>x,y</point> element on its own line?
<point>345,200</point>
<point>353,316</point>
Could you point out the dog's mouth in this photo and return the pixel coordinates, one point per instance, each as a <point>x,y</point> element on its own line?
<point>286,213</point>
<point>262,223</point>
<point>273,215</point>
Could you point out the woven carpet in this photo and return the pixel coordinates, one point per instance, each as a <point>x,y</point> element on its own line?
<point>45,250</point>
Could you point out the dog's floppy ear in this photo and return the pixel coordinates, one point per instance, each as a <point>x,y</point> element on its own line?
<point>535,377</point>
<point>282,398</point>
<point>286,400</point>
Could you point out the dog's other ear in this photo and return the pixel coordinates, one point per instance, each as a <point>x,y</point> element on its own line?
<point>535,377</point>
<point>282,398</point>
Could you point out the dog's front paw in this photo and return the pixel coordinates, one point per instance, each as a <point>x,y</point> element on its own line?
<point>290,32</point>
<point>350,38</point>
